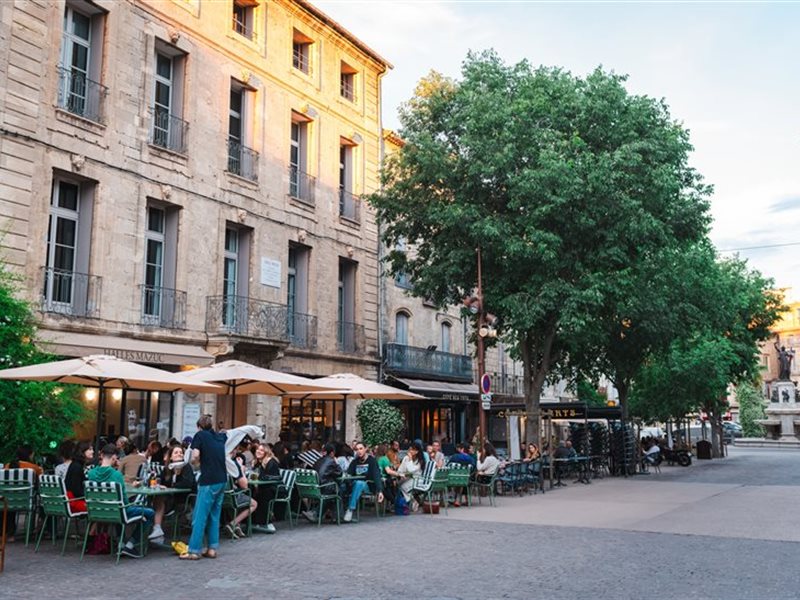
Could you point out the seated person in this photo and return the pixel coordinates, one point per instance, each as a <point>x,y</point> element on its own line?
<point>652,455</point>
<point>180,477</point>
<point>240,485</point>
<point>462,457</point>
<point>265,465</point>
<point>24,460</point>
<point>131,463</point>
<point>436,454</point>
<point>488,463</point>
<point>66,450</point>
<point>413,464</point>
<point>563,451</point>
<point>365,465</point>
<point>532,453</point>
<point>107,472</point>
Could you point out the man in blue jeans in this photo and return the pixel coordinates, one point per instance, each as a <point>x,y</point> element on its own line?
<point>107,472</point>
<point>208,451</point>
<point>364,465</point>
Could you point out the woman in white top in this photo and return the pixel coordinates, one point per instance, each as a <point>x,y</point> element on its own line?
<point>488,463</point>
<point>412,465</point>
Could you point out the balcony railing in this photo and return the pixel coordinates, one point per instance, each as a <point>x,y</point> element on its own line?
<point>349,206</point>
<point>507,385</point>
<point>80,95</point>
<point>71,294</point>
<point>168,131</point>
<point>350,337</point>
<point>412,361</point>
<point>240,315</point>
<point>301,186</point>
<point>163,307</point>
<point>242,161</point>
<point>302,330</point>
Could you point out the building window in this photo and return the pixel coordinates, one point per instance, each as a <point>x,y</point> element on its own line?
<point>302,328</point>
<point>446,331</point>
<point>402,279</point>
<point>347,82</point>
<point>68,288</point>
<point>242,160</point>
<point>349,203</point>
<point>301,52</point>
<point>301,184</point>
<point>169,129</point>
<point>401,328</point>
<point>235,272</point>
<point>79,89</point>
<point>244,18</point>
<point>162,304</point>
<point>305,420</point>
<point>347,330</point>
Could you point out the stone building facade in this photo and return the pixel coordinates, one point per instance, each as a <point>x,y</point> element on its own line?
<point>180,184</point>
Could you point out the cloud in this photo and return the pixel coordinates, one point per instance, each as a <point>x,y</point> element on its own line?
<point>785,204</point>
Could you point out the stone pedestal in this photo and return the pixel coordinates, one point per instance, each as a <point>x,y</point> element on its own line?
<point>783,411</point>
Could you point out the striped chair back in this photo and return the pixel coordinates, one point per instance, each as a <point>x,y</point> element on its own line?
<point>53,497</point>
<point>146,469</point>
<point>423,483</point>
<point>458,475</point>
<point>105,501</point>
<point>307,482</point>
<point>309,457</point>
<point>17,487</point>
<point>288,478</point>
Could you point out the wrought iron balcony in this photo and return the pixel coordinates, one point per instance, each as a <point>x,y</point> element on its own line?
<point>301,186</point>
<point>350,337</point>
<point>80,95</point>
<point>506,384</point>
<point>302,330</point>
<point>71,294</point>
<point>422,362</point>
<point>349,206</point>
<point>168,131</point>
<point>248,317</point>
<point>242,161</point>
<point>163,307</point>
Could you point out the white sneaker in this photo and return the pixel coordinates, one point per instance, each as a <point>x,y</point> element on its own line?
<point>348,515</point>
<point>156,533</point>
<point>310,515</point>
<point>270,528</point>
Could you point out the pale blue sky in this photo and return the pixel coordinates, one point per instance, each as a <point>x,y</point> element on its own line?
<point>729,72</point>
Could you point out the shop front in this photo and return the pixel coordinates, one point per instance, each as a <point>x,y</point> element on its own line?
<point>306,419</point>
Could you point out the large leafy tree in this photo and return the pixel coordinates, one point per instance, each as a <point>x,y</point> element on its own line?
<point>37,414</point>
<point>561,181</point>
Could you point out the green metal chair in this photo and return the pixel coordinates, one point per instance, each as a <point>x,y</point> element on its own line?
<point>56,505</point>
<point>235,500</point>
<point>106,504</point>
<point>17,486</point>
<point>458,478</point>
<point>283,495</point>
<point>309,488</point>
<point>438,487</point>
<point>487,486</point>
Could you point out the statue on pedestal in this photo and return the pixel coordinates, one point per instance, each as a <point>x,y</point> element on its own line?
<point>785,358</point>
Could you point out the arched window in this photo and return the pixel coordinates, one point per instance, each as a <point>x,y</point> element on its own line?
<point>445,345</point>
<point>401,328</point>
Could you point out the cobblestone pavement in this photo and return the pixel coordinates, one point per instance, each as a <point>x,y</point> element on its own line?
<point>451,557</point>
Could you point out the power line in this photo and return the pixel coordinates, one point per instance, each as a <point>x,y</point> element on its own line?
<point>761,247</point>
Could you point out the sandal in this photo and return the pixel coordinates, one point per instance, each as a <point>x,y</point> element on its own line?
<point>210,553</point>
<point>189,556</point>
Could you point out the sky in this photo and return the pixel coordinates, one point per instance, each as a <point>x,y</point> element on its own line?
<point>728,71</point>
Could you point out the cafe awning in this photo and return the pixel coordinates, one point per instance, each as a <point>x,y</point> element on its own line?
<point>441,390</point>
<point>65,343</point>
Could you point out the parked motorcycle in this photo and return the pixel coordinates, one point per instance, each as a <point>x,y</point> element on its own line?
<point>677,455</point>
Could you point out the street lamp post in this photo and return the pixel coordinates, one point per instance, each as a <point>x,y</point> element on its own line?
<point>481,359</point>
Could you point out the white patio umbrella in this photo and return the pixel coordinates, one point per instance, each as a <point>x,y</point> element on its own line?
<point>237,377</point>
<point>107,372</point>
<point>353,386</point>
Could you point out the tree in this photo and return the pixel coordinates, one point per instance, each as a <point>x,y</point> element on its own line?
<point>37,414</point>
<point>751,408</point>
<point>380,422</point>
<point>561,181</point>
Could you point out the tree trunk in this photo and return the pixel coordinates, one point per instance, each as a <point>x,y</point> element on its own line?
<point>622,389</point>
<point>537,356</point>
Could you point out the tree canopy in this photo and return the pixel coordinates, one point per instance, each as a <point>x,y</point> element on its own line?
<point>562,181</point>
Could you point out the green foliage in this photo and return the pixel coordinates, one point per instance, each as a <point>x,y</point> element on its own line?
<point>380,422</point>
<point>562,181</point>
<point>31,413</point>
<point>587,392</point>
<point>751,408</point>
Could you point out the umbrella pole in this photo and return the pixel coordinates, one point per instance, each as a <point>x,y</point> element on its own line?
<point>100,398</point>
<point>233,406</point>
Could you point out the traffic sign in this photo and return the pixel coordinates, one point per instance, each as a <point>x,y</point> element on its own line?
<point>486,383</point>
<point>486,406</point>
<point>486,397</point>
